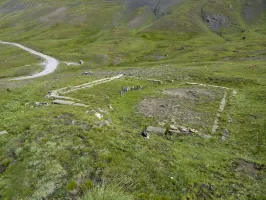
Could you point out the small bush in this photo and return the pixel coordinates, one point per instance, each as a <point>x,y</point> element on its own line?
<point>6,162</point>
<point>87,184</point>
<point>72,185</point>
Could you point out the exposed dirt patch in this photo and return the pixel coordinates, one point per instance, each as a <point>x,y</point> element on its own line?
<point>191,93</point>
<point>252,169</point>
<point>217,17</point>
<point>155,57</point>
<point>253,10</point>
<point>138,21</point>
<point>55,16</point>
<point>159,8</point>
<point>192,106</point>
<point>13,6</point>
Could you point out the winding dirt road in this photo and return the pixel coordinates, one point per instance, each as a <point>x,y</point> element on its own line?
<point>50,63</point>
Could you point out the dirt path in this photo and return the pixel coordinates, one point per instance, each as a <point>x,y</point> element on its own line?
<point>50,62</point>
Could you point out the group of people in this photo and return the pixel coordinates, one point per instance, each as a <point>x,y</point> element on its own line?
<point>127,89</point>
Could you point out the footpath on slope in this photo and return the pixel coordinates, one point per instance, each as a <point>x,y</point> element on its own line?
<point>50,63</point>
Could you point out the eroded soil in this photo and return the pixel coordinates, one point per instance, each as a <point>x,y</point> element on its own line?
<point>192,106</point>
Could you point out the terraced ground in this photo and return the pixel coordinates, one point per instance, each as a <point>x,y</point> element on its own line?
<point>201,66</point>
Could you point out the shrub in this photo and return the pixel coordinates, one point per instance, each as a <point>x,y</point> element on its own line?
<point>87,184</point>
<point>72,185</point>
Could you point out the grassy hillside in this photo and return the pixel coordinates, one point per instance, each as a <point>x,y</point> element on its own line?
<point>67,152</point>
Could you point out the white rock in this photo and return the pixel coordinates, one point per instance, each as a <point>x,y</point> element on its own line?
<point>105,123</point>
<point>80,104</point>
<point>71,64</point>
<point>111,108</point>
<point>193,130</point>
<point>3,132</point>
<point>173,127</point>
<point>98,115</point>
<point>183,129</point>
<point>62,102</point>
<point>161,123</point>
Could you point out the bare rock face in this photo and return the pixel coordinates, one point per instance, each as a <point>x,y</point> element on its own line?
<point>216,22</point>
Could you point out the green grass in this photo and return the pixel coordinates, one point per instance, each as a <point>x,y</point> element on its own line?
<point>59,152</point>
<point>103,192</point>
<point>16,62</point>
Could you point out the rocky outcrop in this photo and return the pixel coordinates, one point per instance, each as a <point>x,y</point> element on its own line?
<point>181,130</point>
<point>172,131</point>
<point>215,22</point>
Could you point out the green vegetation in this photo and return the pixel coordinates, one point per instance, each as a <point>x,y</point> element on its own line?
<point>16,62</point>
<point>66,152</point>
<point>102,193</point>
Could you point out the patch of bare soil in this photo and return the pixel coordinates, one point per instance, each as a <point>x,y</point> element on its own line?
<point>158,8</point>
<point>57,15</point>
<point>138,21</point>
<point>187,106</point>
<point>194,93</point>
<point>251,169</point>
<point>253,10</point>
<point>162,72</point>
<point>155,57</point>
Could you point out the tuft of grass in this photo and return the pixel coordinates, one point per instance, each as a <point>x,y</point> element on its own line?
<point>72,185</point>
<point>107,193</point>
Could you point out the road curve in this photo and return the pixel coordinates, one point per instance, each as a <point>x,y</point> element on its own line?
<point>50,63</point>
